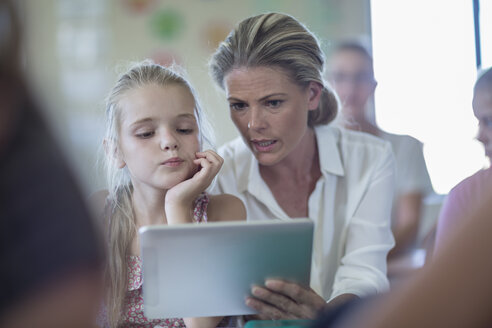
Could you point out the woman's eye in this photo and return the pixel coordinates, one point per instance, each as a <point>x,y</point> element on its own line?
<point>237,106</point>
<point>145,135</point>
<point>274,103</point>
<point>185,131</point>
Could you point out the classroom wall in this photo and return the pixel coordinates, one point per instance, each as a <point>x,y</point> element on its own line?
<point>75,49</point>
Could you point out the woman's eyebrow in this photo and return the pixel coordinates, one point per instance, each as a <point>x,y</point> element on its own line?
<point>273,95</point>
<point>261,99</point>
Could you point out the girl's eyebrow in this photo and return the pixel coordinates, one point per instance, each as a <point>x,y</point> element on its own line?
<point>150,119</point>
<point>143,120</point>
<point>187,115</point>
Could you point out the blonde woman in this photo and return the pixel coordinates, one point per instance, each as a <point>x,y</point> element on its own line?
<point>292,163</point>
<point>157,174</point>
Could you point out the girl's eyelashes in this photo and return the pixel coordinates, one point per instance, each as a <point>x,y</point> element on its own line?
<point>185,131</point>
<point>145,134</point>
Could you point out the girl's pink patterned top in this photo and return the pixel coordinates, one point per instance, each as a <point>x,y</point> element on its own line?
<point>133,315</point>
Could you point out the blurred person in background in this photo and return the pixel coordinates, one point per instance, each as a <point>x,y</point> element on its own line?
<point>465,197</point>
<point>350,71</point>
<point>51,251</point>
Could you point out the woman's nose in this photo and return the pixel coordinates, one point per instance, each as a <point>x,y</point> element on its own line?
<point>257,120</point>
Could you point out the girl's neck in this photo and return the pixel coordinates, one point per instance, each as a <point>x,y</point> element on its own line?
<point>148,206</point>
<point>293,166</point>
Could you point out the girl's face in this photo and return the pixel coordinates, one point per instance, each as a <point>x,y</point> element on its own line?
<point>482,108</point>
<point>158,135</point>
<point>270,111</point>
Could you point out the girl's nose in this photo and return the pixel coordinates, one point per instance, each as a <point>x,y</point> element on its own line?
<point>169,142</point>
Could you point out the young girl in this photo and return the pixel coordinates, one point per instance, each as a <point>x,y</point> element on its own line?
<point>157,174</point>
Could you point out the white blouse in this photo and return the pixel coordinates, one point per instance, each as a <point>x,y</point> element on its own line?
<point>350,207</point>
<point>411,170</point>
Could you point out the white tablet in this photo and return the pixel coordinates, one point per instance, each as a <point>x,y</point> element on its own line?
<point>207,269</point>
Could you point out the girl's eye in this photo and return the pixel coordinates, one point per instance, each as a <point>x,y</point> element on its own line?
<point>274,103</point>
<point>237,106</point>
<point>185,131</point>
<point>145,135</point>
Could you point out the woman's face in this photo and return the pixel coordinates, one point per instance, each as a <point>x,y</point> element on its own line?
<point>482,108</point>
<point>351,75</point>
<point>269,110</point>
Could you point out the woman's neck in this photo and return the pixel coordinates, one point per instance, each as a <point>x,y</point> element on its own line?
<point>298,164</point>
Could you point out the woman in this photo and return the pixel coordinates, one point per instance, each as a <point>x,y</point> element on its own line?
<point>291,163</point>
<point>352,76</point>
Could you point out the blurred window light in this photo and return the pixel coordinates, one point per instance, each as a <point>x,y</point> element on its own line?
<point>424,61</point>
<point>485,14</point>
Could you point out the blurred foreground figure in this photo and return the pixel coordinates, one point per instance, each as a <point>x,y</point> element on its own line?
<point>453,290</point>
<point>50,252</point>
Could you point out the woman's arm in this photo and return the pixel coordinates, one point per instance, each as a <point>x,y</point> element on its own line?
<point>368,239</point>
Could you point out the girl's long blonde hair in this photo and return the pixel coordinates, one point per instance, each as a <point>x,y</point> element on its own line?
<point>119,215</point>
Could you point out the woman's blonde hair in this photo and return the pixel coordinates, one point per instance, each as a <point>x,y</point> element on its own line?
<point>119,213</point>
<point>277,40</point>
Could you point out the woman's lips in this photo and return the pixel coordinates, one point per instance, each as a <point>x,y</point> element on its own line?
<point>264,145</point>
<point>175,161</point>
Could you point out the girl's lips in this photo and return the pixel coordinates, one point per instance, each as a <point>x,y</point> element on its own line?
<point>264,145</point>
<point>175,161</point>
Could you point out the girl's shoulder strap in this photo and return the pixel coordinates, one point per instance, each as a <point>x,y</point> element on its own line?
<point>200,209</point>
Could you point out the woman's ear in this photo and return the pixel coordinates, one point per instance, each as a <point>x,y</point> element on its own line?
<point>111,149</point>
<point>315,89</point>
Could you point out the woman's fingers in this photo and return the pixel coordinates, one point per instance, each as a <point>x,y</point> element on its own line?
<point>266,311</point>
<point>294,291</point>
<point>273,304</point>
<point>290,298</point>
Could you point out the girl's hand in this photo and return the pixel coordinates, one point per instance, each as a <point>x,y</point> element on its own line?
<point>180,198</point>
